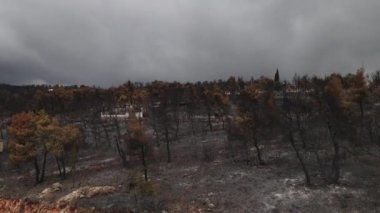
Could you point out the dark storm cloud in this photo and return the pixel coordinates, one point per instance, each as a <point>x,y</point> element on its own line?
<point>106,42</point>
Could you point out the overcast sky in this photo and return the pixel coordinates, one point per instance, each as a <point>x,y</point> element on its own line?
<point>107,42</point>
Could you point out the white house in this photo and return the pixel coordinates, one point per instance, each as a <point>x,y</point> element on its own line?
<point>122,113</point>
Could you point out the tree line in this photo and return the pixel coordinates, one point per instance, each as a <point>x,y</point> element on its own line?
<point>323,120</point>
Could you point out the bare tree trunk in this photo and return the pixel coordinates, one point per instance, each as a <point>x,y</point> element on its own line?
<point>36,167</point>
<point>64,167</point>
<point>95,133</point>
<point>301,130</point>
<point>121,153</point>
<point>176,128</point>
<point>59,167</point>
<point>43,167</point>
<point>299,157</point>
<point>223,122</point>
<point>40,172</point>
<point>335,167</point>
<point>361,109</point>
<point>144,163</point>
<point>192,126</point>
<point>190,116</point>
<point>73,159</point>
<point>335,163</point>
<point>157,136</point>
<point>256,143</point>
<point>319,161</point>
<point>231,148</point>
<point>177,121</point>
<point>107,134</point>
<point>168,145</point>
<point>120,149</point>
<point>209,120</point>
<point>246,147</point>
<point>370,131</point>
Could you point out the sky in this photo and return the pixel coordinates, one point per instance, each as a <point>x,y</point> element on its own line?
<point>107,42</point>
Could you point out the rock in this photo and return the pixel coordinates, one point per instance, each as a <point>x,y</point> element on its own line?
<point>56,186</point>
<point>53,188</point>
<point>82,192</point>
<point>210,205</point>
<point>211,194</point>
<point>21,177</point>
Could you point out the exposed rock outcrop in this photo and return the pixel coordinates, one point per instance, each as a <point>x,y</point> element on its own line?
<point>48,191</point>
<point>84,192</point>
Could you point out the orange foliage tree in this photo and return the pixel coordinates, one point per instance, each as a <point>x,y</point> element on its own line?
<point>34,135</point>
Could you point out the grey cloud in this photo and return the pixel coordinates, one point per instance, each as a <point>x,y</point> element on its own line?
<point>106,42</point>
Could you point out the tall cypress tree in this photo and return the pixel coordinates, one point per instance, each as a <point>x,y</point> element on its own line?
<point>277,77</point>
